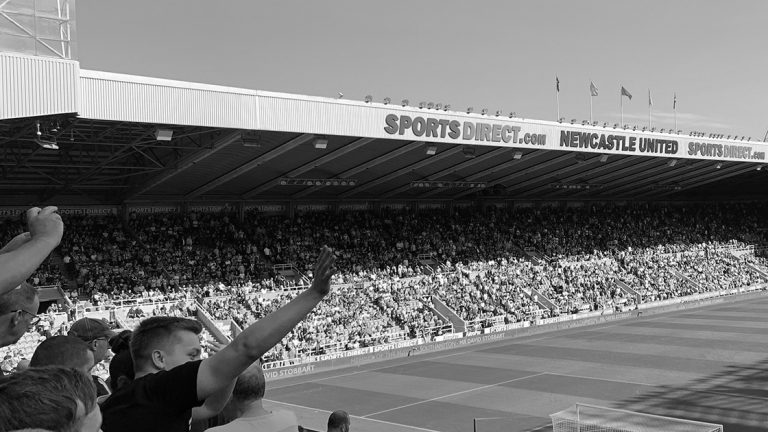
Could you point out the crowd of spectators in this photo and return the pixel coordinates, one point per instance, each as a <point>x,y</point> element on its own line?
<point>488,265</point>
<point>398,275</point>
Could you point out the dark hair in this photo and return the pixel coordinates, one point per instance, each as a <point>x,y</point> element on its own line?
<point>121,370</point>
<point>156,331</point>
<point>45,398</point>
<point>121,342</point>
<point>337,419</point>
<point>67,351</point>
<point>250,385</point>
<point>23,296</point>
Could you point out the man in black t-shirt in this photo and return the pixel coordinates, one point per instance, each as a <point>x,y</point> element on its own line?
<point>173,386</point>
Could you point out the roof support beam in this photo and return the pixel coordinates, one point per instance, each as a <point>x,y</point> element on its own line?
<point>534,168</point>
<point>480,174</point>
<point>603,167</point>
<point>16,186</point>
<point>522,172</point>
<point>32,153</point>
<point>309,166</point>
<point>614,174</point>
<point>95,169</point>
<point>68,165</point>
<point>666,174</point>
<point>424,162</point>
<point>185,163</point>
<point>119,176</point>
<point>364,166</point>
<point>467,163</point>
<point>253,163</point>
<point>702,180</point>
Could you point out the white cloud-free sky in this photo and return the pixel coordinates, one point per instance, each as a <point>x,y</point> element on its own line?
<point>500,54</point>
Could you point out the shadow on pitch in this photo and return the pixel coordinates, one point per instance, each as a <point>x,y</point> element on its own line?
<point>736,397</point>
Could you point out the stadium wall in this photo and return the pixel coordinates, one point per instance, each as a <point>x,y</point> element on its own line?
<point>33,86</point>
<point>118,97</point>
<point>286,369</point>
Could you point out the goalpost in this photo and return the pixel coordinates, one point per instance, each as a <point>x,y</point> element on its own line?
<point>590,418</point>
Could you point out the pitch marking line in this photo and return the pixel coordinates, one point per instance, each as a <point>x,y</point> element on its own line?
<point>662,386</point>
<point>454,394</point>
<point>357,417</point>
<point>461,350</point>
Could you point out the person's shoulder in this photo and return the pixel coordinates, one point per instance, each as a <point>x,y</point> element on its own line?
<point>284,414</point>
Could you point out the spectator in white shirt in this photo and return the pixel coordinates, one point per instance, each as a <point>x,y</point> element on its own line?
<point>245,411</point>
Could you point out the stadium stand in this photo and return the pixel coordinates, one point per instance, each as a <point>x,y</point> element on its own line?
<point>481,272</point>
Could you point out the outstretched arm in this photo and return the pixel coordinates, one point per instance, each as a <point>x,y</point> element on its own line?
<point>24,254</point>
<point>220,369</point>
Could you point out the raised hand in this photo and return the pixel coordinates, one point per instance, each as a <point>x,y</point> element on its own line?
<point>324,270</point>
<point>45,224</point>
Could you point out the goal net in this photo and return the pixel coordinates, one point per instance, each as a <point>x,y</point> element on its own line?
<point>589,418</point>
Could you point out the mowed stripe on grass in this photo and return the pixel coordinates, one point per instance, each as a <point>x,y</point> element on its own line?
<point>694,364</point>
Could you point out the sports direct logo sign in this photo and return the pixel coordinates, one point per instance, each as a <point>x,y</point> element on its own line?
<point>561,137</point>
<point>429,127</point>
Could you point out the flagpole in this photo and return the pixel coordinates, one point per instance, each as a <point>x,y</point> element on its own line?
<point>621,104</point>
<point>590,106</point>
<point>674,109</point>
<point>557,96</point>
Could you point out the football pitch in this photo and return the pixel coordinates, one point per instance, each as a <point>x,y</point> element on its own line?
<point>708,364</point>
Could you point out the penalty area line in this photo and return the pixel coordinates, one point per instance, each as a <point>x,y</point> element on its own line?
<point>416,428</point>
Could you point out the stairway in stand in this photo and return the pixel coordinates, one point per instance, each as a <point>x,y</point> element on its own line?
<point>68,272</point>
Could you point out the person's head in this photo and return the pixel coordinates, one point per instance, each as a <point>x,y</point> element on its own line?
<point>339,421</point>
<point>67,351</point>
<point>52,398</point>
<point>162,343</point>
<point>249,389</point>
<point>96,333</point>
<point>18,312</point>
<point>121,342</point>
<point>121,370</point>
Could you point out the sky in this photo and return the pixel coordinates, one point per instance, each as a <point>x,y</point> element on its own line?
<point>499,55</point>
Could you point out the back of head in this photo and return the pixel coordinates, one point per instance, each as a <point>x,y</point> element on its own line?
<point>157,333</point>
<point>120,370</point>
<point>338,421</point>
<point>121,342</point>
<point>89,329</point>
<point>67,351</point>
<point>46,398</point>
<point>250,385</point>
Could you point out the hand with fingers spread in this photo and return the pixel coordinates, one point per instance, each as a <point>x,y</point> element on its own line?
<point>324,270</point>
<point>45,224</point>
